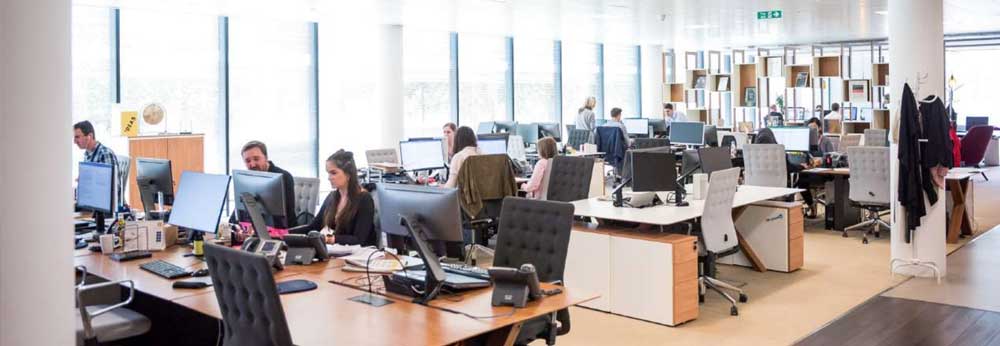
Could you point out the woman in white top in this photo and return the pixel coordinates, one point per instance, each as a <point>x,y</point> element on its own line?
<point>546,151</point>
<point>464,146</point>
<point>585,119</point>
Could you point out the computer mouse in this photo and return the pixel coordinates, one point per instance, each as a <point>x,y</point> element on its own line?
<point>200,272</point>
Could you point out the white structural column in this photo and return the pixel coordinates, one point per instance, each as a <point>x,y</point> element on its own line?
<point>389,86</point>
<point>36,195</point>
<point>652,80</point>
<point>916,56</point>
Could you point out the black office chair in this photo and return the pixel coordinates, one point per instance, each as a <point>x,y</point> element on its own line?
<point>729,141</point>
<point>569,178</point>
<point>537,232</point>
<point>646,143</point>
<point>577,138</point>
<point>248,298</point>
<point>711,136</point>
<point>483,221</point>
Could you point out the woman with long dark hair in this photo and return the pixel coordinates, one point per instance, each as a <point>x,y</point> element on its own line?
<point>465,146</point>
<point>349,211</point>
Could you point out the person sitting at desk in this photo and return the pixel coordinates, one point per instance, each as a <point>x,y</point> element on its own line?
<point>465,146</point>
<point>94,151</point>
<point>448,130</point>
<point>255,158</point>
<point>349,211</point>
<point>616,121</point>
<point>825,145</point>
<point>766,136</point>
<point>670,115</point>
<point>546,151</point>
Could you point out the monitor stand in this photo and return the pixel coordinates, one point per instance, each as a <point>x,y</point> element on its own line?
<point>434,275</point>
<point>679,196</point>
<point>616,194</point>
<point>100,227</point>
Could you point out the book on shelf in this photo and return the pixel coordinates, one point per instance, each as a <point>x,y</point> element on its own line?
<point>801,79</point>
<point>723,83</point>
<point>750,97</point>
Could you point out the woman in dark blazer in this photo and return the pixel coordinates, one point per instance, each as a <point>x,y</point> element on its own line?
<point>349,210</point>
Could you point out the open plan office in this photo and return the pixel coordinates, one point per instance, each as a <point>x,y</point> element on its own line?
<point>499,172</point>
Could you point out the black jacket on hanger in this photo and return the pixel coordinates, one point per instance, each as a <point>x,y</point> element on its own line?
<point>909,189</point>
<point>936,129</point>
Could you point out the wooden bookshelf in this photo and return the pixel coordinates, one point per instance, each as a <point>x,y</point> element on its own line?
<point>744,76</point>
<point>673,93</point>
<point>826,66</point>
<point>697,114</point>
<point>692,78</point>
<point>851,127</point>
<point>792,71</point>
<point>847,91</point>
<point>880,119</point>
<point>880,72</point>
<point>714,79</point>
<point>763,71</point>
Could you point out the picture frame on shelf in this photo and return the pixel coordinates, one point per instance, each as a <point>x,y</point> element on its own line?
<point>774,66</point>
<point>801,79</point>
<point>857,91</point>
<point>750,97</point>
<point>723,83</point>
<point>699,83</point>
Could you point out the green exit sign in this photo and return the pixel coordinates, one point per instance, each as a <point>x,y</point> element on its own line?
<point>772,14</point>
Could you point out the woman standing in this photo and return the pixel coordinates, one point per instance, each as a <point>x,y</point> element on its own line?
<point>585,119</point>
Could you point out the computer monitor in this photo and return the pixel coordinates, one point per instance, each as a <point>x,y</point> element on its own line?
<point>714,159</point>
<point>690,163</point>
<point>550,130</point>
<point>627,166</point>
<point>493,144</point>
<point>421,154</point>
<point>485,127</point>
<point>659,126</point>
<point>793,138</point>
<point>528,133</point>
<point>971,122</point>
<point>153,176</point>
<point>653,170</point>
<point>95,191</point>
<point>437,209</point>
<point>268,189</point>
<point>637,126</point>
<point>687,133</point>
<point>199,201</point>
<point>505,126</point>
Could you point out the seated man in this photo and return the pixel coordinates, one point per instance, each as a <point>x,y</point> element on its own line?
<point>84,137</point>
<point>255,157</point>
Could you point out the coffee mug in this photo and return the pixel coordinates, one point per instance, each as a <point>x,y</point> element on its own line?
<point>107,243</point>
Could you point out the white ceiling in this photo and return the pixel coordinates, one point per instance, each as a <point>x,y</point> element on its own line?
<point>691,24</point>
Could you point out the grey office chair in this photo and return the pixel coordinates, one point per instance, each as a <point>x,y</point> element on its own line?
<point>306,199</point>
<point>718,234</point>
<point>569,178</point>
<point>876,138</point>
<point>248,298</point>
<point>869,186</point>
<point>537,232</point>
<point>100,323</point>
<point>123,165</point>
<point>765,165</point>
<point>577,138</point>
<point>388,155</point>
<point>849,140</point>
<point>834,143</point>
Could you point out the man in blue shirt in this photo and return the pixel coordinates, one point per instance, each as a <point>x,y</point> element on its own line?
<point>84,138</point>
<point>670,115</point>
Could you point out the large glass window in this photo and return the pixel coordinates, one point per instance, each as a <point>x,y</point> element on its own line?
<point>271,92</point>
<point>426,82</point>
<point>975,89</point>
<point>621,79</point>
<point>581,78</point>
<point>92,78</point>
<point>172,58</point>
<point>534,81</point>
<point>482,78</point>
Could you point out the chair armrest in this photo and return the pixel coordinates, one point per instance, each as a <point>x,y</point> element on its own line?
<point>83,275</point>
<point>84,288</point>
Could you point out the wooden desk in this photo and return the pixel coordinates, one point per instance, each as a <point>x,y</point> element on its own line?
<point>324,315</point>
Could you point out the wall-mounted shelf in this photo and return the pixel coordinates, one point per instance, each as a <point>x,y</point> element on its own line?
<point>826,66</point>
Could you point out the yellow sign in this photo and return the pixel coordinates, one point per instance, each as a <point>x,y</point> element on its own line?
<point>130,124</point>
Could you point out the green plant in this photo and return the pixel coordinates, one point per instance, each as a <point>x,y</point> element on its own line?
<point>781,102</point>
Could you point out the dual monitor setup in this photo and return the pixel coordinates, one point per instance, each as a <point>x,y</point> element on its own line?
<point>529,132</point>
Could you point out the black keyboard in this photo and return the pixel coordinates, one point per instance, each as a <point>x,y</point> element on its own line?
<point>131,255</point>
<point>165,269</point>
<point>464,270</point>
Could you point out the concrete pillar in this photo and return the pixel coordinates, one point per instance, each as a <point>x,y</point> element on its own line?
<point>652,80</point>
<point>389,85</point>
<point>916,56</point>
<point>36,260</point>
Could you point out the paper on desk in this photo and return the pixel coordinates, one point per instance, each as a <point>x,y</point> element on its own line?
<point>340,250</point>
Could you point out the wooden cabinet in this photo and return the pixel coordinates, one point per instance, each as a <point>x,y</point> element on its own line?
<point>775,232</point>
<point>650,276</point>
<point>185,152</point>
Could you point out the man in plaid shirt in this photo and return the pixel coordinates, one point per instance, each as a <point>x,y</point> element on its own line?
<point>83,136</point>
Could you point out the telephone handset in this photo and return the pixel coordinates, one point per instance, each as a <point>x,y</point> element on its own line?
<point>303,248</point>
<point>515,286</point>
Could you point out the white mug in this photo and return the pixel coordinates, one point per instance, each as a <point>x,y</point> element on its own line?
<point>107,243</point>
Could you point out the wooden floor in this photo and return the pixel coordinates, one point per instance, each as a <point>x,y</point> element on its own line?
<point>895,321</point>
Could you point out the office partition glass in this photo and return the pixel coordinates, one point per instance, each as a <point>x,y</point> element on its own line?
<point>581,78</point>
<point>271,92</point>
<point>173,58</point>
<point>426,82</point>
<point>482,78</point>
<point>621,79</point>
<point>534,81</point>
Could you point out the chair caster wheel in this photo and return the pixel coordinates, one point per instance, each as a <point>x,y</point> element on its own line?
<point>864,240</point>
<point>878,235</point>
<point>744,298</point>
<point>733,311</point>
<point>701,299</point>
<point>843,235</point>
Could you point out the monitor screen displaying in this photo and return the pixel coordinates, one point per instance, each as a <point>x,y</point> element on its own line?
<point>687,133</point>
<point>199,201</point>
<point>793,138</point>
<point>971,122</point>
<point>493,146</point>
<point>637,126</point>
<point>421,154</point>
<point>96,187</point>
